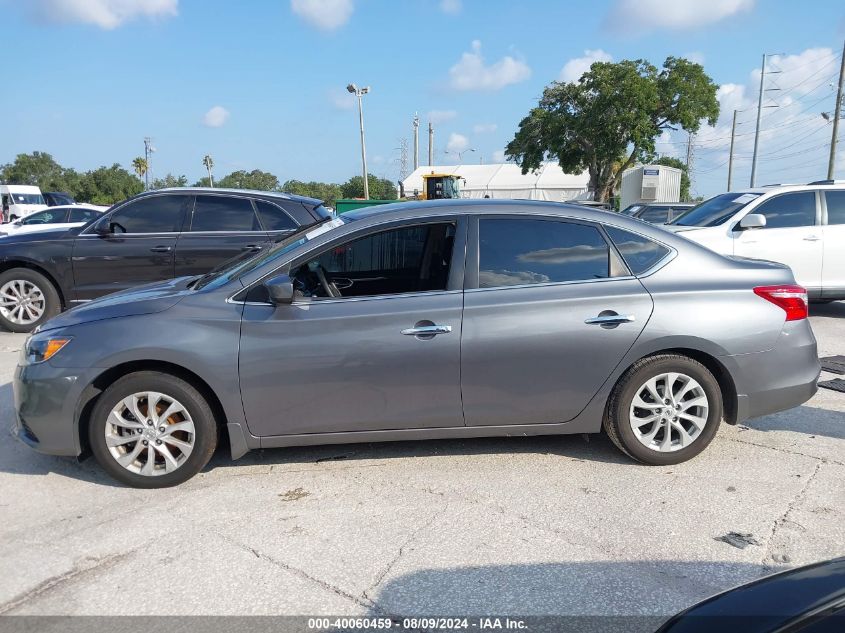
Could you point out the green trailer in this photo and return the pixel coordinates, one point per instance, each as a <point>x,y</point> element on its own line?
<point>351,204</point>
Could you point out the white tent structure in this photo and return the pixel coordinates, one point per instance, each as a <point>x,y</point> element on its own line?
<point>506,181</point>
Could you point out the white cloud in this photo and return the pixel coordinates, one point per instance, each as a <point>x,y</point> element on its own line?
<point>216,117</point>
<point>341,99</point>
<point>484,128</point>
<point>106,14</point>
<point>499,156</point>
<point>457,143</point>
<point>326,15</point>
<point>574,68</point>
<point>471,73</point>
<point>643,16</point>
<point>452,7</point>
<point>441,116</point>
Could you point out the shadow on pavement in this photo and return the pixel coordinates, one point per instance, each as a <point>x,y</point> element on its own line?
<point>593,595</point>
<point>576,447</point>
<point>804,419</point>
<point>835,309</point>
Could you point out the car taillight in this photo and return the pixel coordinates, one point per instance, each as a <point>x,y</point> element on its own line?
<point>793,299</point>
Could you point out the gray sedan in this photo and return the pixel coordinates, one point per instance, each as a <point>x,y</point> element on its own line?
<point>424,320</point>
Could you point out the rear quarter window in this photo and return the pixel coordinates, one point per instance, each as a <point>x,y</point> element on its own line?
<point>640,253</point>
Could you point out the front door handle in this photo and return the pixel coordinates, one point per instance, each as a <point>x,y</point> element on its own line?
<point>812,238</point>
<point>610,319</point>
<point>161,249</point>
<point>427,330</point>
<point>252,247</point>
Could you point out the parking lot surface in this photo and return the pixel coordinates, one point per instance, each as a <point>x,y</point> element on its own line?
<point>528,526</point>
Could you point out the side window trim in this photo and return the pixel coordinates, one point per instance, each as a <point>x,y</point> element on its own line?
<point>456,266</point>
<point>471,276</point>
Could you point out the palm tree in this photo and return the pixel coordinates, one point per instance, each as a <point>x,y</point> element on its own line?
<point>139,165</point>
<point>209,164</point>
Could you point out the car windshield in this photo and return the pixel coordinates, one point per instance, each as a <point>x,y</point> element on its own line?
<point>27,198</point>
<point>716,210</point>
<point>242,265</point>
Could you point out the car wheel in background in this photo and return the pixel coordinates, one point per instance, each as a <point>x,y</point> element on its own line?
<point>664,410</point>
<point>152,430</point>
<point>27,299</point>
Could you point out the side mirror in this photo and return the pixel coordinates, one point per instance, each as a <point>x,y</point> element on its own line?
<point>103,228</point>
<point>280,289</point>
<point>753,221</point>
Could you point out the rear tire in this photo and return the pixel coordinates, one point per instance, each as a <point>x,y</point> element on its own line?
<point>152,430</point>
<point>27,299</point>
<point>664,410</point>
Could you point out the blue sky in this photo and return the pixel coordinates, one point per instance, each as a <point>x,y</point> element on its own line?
<point>86,80</point>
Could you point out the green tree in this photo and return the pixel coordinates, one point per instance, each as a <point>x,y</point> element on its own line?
<point>40,169</point>
<point>169,181</point>
<point>380,188</point>
<point>202,182</point>
<point>107,185</point>
<point>328,192</point>
<point>670,161</point>
<point>613,110</point>
<point>255,179</point>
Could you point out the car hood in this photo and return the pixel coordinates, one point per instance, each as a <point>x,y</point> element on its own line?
<point>147,299</point>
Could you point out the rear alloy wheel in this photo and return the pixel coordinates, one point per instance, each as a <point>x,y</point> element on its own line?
<point>664,410</point>
<point>152,430</point>
<point>27,299</point>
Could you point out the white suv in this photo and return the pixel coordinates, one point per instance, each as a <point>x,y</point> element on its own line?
<point>802,226</point>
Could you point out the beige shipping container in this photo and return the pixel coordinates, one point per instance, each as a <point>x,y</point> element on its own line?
<point>650,183</point>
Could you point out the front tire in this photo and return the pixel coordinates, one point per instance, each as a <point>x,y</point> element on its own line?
<point>152,430</point>
<point>27,299</point>
<point>664,410</point>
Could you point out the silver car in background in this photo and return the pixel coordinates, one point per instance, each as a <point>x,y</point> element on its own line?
<point>441,319</point>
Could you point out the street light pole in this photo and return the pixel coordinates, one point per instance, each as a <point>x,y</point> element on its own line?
<point>360,92</point>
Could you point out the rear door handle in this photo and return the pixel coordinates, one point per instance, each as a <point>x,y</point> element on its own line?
<point>161,249</point>
<point>610,319</point>
<point>427,330</point>
<point>252,247</point>
<point>812,238</point>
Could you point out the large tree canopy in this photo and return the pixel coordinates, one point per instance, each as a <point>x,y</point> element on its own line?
<point>107,185</point>
<point>614,110</point>
<point>380,188</point>
<point>255,179</point>
<point>40,169</point>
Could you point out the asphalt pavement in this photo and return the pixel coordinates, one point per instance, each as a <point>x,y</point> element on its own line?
<point>527,526</point>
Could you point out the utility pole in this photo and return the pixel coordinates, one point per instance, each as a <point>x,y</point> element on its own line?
<point>148,150</point>
<point>430,144</point>
<point>757,130</point>
<point>731,155</point>
<point>416,141</point>
<point>837,112</point>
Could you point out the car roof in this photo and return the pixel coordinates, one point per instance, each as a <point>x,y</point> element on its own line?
<point>411,209</point>
<point>251,192</point>
<point>780,188</point>
<point>81,205</point>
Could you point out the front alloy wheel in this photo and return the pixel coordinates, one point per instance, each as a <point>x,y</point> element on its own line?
<point>150,434</point>
<point>21,302</point>
<point>152,430</point>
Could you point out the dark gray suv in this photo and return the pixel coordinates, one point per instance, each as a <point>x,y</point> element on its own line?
<point>424,320</point>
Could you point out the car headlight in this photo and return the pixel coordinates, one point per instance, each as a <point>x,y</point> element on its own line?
<point>38,350</point>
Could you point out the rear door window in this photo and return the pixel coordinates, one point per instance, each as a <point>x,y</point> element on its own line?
<point>273,218</point>
<point>789,210</point>
<point>639,253</point>
<point>221,213</point>
<point>835,207</point>
<point>82,215</point>
<point>514,252</point>
<point>655,215</point>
